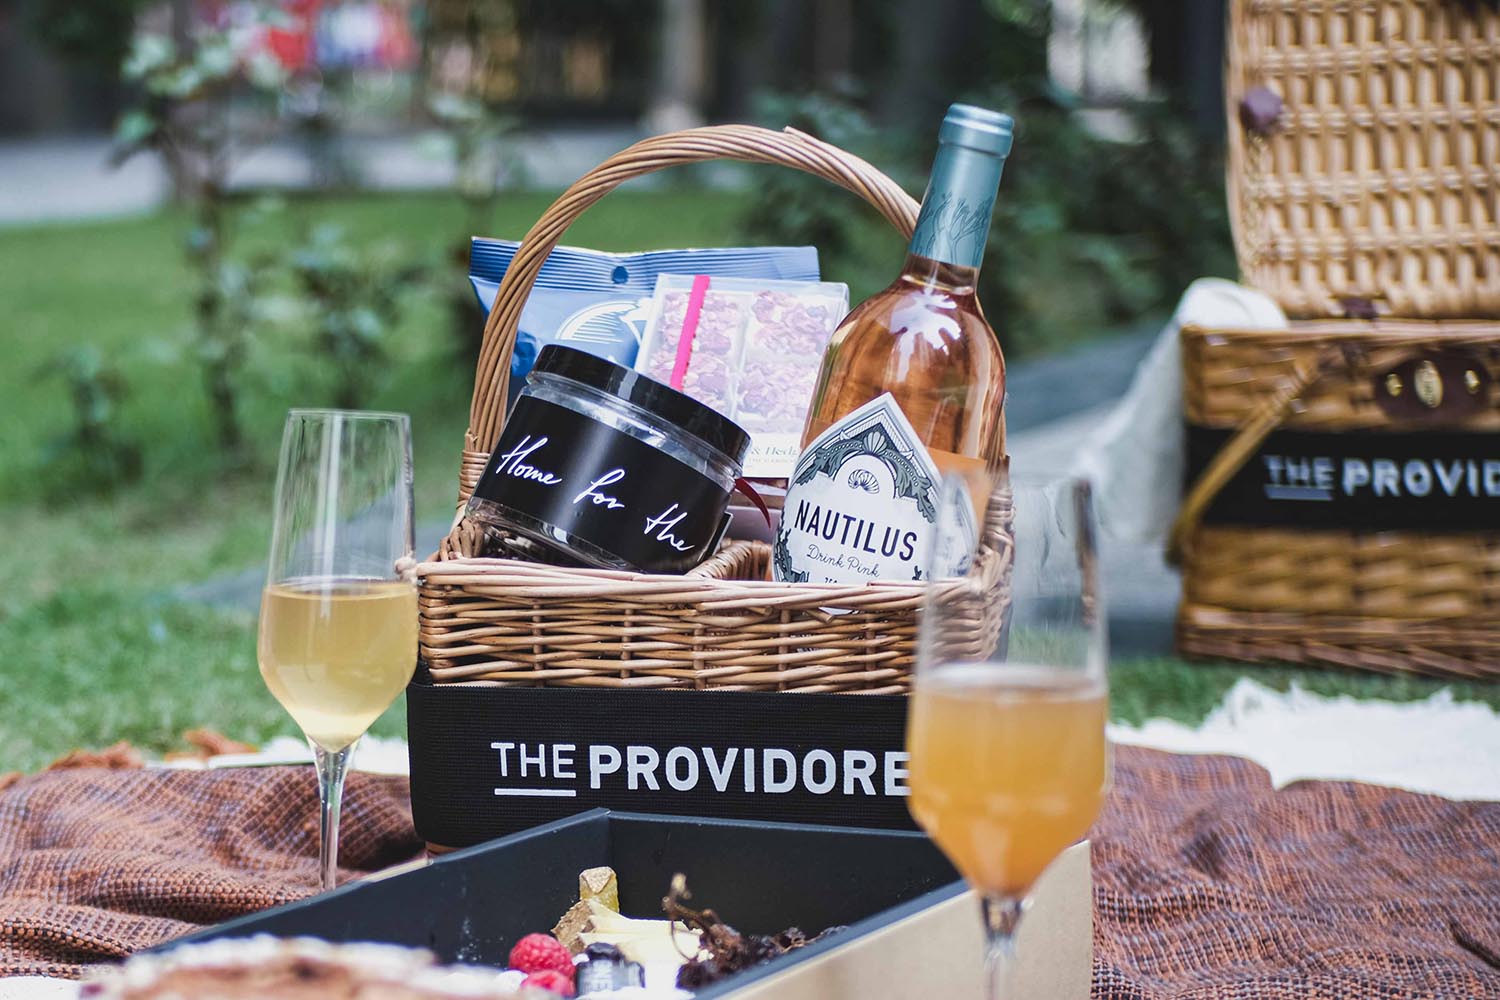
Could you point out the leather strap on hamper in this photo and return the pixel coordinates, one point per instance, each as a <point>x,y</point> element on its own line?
<point>1237,451</point>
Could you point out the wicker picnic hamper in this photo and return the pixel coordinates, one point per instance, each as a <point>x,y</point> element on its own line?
<point>1364,154</point>
<point>1418,599</point>
<point>1364,172</point>
<point>723,625</point>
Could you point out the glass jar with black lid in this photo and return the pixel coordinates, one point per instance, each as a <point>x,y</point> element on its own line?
<point>603,466</point>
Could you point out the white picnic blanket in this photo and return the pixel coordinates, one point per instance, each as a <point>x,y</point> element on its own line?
<point>1134,458</point>
<point>1438,745</point>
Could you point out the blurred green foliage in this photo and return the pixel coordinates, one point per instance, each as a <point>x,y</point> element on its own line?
<point>94,33</point>
<point>1089,232</point>
<point>353,297</point>
<point>183,115</point>
<point>192,112</point>
<point>792,207</point>
<point>1033,16</point>
<point>474,134</point>
<point>94,454</point>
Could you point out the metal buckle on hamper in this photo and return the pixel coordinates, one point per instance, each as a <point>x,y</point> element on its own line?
<point>1434,386</point>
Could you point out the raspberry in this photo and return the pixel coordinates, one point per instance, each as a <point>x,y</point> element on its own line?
<point>550,980</point>
<point>542,952</point>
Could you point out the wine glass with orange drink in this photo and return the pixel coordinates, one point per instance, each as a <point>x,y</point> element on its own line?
<point>338,618</point>
<point>1006,728</point>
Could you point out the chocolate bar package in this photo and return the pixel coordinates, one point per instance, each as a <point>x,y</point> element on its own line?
<point>599,302</point>
<point>749,348</point>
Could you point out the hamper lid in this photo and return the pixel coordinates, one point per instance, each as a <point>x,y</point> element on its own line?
<point>1362,175</point>
<point>676,408</point>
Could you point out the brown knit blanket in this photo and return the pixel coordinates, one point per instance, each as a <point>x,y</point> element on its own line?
<point>1208,884</point>
<point>96,864</point>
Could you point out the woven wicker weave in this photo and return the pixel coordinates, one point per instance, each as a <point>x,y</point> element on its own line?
<point>1381,178</point>
<point>722,626</point>
<point>1418,601</point>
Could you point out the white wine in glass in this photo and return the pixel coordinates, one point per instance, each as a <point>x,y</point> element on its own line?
<point>338,620</point>
<point>335,653</point>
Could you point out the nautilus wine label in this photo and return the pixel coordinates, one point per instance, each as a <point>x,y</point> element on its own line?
<point>863,503</point>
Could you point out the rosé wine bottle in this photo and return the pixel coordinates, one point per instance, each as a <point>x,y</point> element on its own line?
<point>911,387</point>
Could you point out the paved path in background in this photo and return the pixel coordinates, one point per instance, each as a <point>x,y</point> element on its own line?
<point>1054,404</point>
<point>44,180</point>
<point>1059,386</point>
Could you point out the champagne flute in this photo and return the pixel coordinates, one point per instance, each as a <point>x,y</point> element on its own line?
<point>338,619</point>
<point>1006,730</point>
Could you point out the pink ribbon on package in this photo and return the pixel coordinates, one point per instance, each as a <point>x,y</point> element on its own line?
<point>680,366</point>
<point>689,329</point>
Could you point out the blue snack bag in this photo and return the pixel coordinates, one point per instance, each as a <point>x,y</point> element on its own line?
<point>599,302</point>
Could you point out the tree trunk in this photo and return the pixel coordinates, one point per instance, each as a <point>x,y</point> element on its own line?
<point>681,67</point>
<point>833,35</point>
<point>216,345</point>
<point>179,169</point>
<point>931,41</point>
<point>758,58</point>
<point>1187,53</point>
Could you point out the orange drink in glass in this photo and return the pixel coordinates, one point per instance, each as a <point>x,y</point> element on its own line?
<point>1008,767</point>
<point>1006,722</point>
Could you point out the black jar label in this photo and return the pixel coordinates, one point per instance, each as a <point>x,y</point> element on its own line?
<point>592,482</point>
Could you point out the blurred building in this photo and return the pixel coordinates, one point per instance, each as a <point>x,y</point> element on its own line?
<point>41,92</point>
<point>658,63</point>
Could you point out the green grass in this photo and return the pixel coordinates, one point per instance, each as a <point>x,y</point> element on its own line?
<point>95,647</point>
<point>1148,687</point>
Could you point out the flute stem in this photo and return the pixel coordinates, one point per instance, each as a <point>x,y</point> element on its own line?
<point>333,766</point>
<point>1002,915</point>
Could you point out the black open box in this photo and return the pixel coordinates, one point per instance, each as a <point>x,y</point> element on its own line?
<point>472,905</point>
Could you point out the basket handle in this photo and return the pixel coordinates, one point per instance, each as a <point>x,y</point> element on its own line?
<point>748,143</point>
<point>1238,449</point>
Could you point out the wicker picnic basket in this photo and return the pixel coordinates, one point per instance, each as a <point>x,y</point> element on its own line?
<point>1379,178</point>
<point>1419,599</point>
<point>1364,173</point>
<point>723,625</point>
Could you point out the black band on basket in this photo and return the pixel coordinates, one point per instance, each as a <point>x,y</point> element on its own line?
<point>487,761</point>
<point>1443,481</point>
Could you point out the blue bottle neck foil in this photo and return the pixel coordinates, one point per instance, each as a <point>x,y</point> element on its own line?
<point>955,219</point>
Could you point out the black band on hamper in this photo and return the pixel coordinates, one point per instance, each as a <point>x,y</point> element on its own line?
<point>488,761</point>
<point>1425,481</point>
